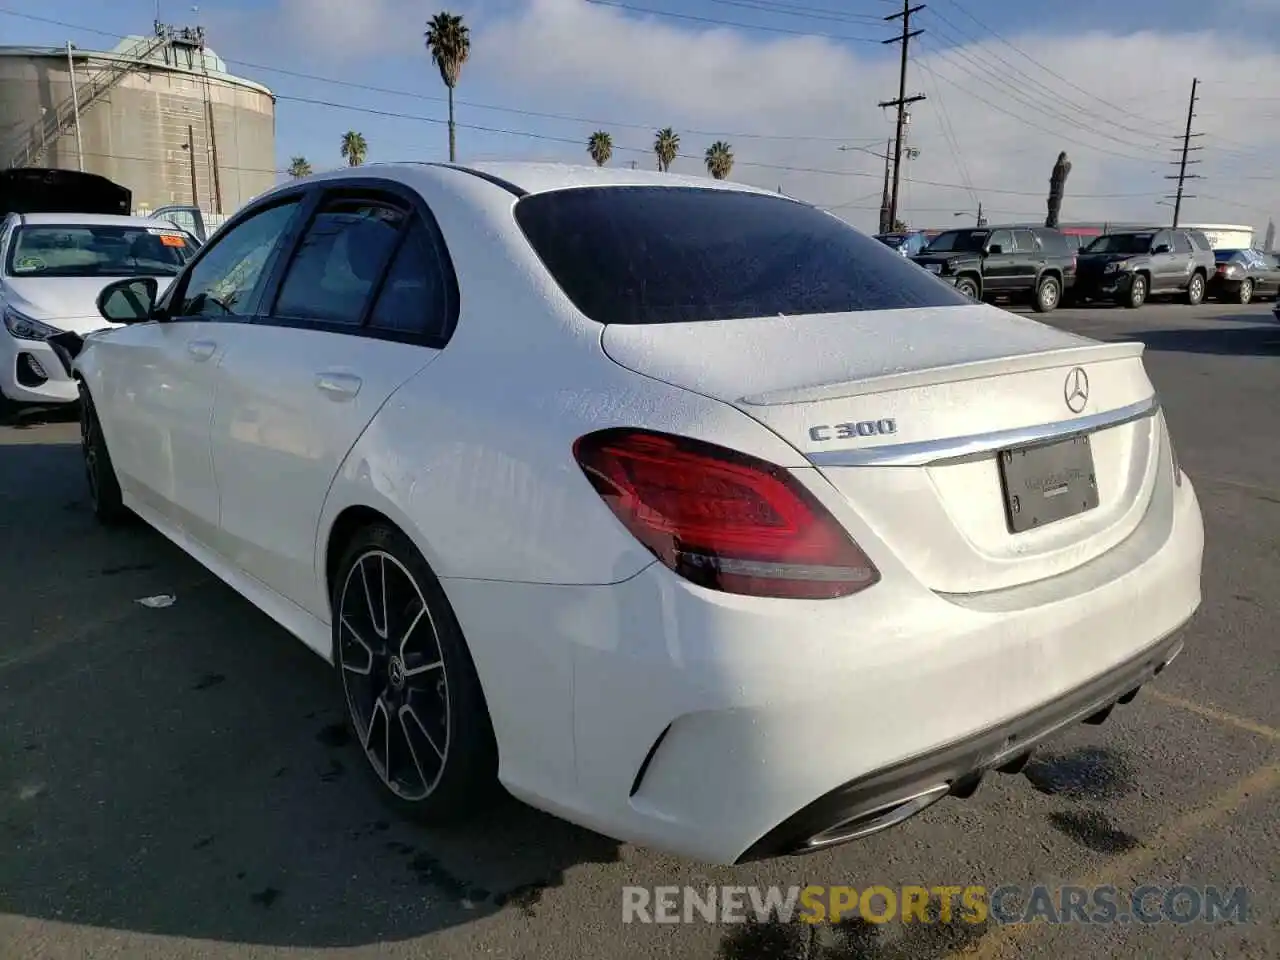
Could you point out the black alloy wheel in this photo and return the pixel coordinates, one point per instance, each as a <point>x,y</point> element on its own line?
<point>412,696</point>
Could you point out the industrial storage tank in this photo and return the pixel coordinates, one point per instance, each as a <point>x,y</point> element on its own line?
<point>160,115</point>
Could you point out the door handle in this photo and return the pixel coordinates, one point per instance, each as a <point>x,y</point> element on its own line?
<point>338,385</point>
<point>201,349</point>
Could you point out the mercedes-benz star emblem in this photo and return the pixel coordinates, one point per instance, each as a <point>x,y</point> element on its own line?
<point>1076,390</point>
<point>397,673</point>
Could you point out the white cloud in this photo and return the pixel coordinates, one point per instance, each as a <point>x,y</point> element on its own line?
<point>571,57</point>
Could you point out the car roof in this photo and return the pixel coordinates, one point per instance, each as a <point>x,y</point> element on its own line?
<point>1003,226</point>
<point>529,177</point>
<point>94,220</point>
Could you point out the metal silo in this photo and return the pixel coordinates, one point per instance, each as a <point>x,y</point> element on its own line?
<point>159,114</point>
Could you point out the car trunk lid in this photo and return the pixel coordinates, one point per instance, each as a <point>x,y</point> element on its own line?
<point>907,413</point>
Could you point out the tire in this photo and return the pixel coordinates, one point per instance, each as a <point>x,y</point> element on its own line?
<point>1048,295</point>
<point>1195,290</point>
<point>968,286</point>
<point>1245,293</point>
<point>104,487</point>
<point>414,705</point>
<point>1137,294</point>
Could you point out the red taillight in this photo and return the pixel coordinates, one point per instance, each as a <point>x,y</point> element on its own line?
<point>722,519</point>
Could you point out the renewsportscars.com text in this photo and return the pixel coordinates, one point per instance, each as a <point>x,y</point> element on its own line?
<point>1008,904</point>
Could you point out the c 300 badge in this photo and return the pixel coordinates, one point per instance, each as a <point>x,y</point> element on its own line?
<point>853,431</point>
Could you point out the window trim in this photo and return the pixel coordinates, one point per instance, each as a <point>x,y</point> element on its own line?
<point>177,291</point>
<point>390,193</point>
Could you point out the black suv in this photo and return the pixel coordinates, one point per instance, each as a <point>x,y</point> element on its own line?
<point>1025,263</point>
<point>1131,266</point>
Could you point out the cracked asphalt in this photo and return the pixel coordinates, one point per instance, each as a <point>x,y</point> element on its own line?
<point>176,782</point>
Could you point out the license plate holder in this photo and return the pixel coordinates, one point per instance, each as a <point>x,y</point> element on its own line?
<point>1047,482</point>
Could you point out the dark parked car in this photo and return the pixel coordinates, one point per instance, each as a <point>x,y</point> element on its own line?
<point>1129,267</point>
<point>1242,275</point>
<point>987,263</point>
<point>908,244</point>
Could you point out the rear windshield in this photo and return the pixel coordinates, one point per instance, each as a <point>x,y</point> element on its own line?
<point>1122,243</point>
<point>647,255</point>
<point>96,251</point>
<point>1222,256</point>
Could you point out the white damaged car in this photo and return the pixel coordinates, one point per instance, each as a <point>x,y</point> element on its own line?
<point>52,268</point>
<point>680,509</point>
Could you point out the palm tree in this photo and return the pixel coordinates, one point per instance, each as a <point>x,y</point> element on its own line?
<point>354,148</point>
<point>449,41</point>
<point>299,167</point>
<point>666,146</point>
<point>719,159</point>
<point>1057,187</point>
<point>600,146</point>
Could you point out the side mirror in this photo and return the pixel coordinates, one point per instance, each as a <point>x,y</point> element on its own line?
<point>1162,248</point>
<point>129,301</point>
<point>995,248</point>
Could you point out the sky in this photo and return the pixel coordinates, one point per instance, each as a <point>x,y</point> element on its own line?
<point>792,85</point>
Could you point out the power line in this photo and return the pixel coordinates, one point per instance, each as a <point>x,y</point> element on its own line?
<point>1019,117</point>
<point>390,91</point>
<point>901,102</point>
<point>716,21</point>
<point>800,10</point>
<point>949,135</point>
<point>1003,88</point>
<point>540,136</point>
<point>1111,107</point>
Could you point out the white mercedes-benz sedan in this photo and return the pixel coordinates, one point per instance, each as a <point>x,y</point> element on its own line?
<point>680,509</point>
<point>52,268</point>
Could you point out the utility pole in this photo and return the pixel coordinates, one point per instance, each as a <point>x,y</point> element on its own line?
<point>886,205</point>
<point>75,104</point>
<point>1182,176</point>
<point>903,100</point>
<point>191,146</point>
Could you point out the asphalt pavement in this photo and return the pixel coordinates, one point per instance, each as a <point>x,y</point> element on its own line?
<point>175,782</point>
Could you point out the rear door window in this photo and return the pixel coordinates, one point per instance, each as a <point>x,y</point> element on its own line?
<point>1026,241</point>
<point>1181,244</point>
<point>339,261</point>
<point>646,255</point>
<point>419,295</point>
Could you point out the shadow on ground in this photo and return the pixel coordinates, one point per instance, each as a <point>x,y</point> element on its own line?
<point>1261,340</point>
<point>24,418</point>
<point>185,771</point>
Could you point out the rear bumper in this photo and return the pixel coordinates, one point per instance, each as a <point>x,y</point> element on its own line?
<point>1103,286</point>
<point>1222,287</point>
<point>723,728</point>
<point>887,797</point>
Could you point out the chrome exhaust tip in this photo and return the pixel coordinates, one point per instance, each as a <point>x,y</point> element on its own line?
<point>878,818</point>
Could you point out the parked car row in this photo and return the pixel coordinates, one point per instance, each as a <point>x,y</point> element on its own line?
<point>1046,267</point>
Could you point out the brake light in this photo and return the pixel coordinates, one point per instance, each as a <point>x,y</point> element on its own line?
<point>722,519</point>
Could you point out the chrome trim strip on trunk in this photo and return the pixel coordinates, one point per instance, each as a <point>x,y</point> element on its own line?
<point>957,449</point>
